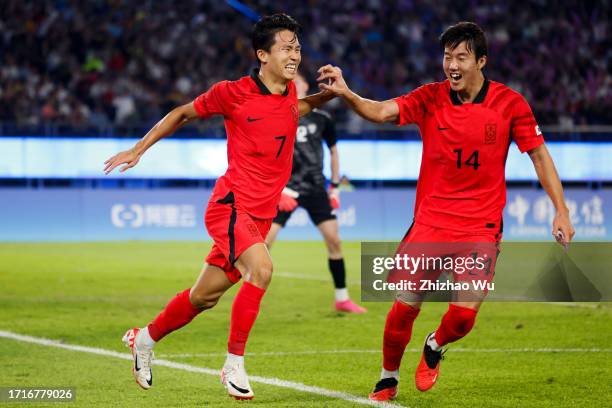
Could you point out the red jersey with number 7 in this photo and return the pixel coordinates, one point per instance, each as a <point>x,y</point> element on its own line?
<point>261,129</point>
<point>462,183</point>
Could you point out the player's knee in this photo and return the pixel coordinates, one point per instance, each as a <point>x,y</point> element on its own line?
<point>334,245</point>
<point>261,274</point>
<point>203,300</point>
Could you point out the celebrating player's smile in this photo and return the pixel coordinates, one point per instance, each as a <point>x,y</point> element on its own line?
<point>261,113</point>
<point>467,123</point>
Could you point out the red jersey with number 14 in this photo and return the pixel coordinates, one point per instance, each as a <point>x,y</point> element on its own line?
<point>462,182</point>
<point>261,129</point>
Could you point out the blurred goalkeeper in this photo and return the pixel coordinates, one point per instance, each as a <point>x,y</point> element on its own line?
<point>306,189</point>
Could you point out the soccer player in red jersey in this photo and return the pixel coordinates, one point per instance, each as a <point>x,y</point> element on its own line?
<point>261,113</point>
<point>466,123</point>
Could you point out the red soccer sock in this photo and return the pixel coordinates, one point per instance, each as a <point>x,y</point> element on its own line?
<point>244,313</point>
<point>456,323</point>
<point>177,313</point>
<point>398,330</point>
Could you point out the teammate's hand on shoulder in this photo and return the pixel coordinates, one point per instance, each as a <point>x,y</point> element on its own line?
<point>334,196</point>
<point>288,200</point>
<point>331,80</point>
<point>128,157</point>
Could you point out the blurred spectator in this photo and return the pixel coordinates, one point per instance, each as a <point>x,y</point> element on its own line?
<point>126,62</point>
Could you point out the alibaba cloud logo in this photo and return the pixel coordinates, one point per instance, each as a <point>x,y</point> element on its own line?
<point>127,216</point>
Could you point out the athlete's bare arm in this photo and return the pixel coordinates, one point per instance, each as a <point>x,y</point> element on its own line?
<point>334,164</point>
<point>374,111</point>
<point>169,124</point>
<point>549,178</point>
<point>310,102</point>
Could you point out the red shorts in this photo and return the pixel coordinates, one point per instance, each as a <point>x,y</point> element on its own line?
<point>466,255</point>
<point>233,231</point>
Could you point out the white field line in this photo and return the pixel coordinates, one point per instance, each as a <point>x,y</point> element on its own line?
<point>460,350</point>
<point>194,369</point>
<point>579,305</point>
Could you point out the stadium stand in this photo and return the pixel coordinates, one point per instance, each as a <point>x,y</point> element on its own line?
<point>102,64</point>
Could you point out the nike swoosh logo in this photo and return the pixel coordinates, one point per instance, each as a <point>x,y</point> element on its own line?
<point>242,390</point>
<point>441,128</point>
<point>434,378</point>
<point>250,119</point>
<point>149,380</point>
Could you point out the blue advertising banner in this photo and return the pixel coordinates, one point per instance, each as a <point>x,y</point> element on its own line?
<point>177,214</point>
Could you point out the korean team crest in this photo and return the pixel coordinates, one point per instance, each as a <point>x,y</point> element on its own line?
<point>490,133</point>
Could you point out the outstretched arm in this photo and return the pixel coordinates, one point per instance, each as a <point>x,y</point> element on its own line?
<point>169,124</point>
<point>547,174</point>
<point>375,111</point>
<point>310,102</point>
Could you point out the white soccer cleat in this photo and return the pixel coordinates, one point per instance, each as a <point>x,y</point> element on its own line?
<point>236,381</point>
<point>143,357</point>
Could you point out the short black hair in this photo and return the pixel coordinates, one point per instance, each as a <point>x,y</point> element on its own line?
<point>471,33</point>
<point>266,28</point>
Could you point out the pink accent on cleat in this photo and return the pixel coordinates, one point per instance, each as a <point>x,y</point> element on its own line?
<point>348,306</point>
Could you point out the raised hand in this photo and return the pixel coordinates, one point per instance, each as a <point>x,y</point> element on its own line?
<point>331,80</point>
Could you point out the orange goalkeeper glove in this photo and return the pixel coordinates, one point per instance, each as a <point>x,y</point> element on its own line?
<point>334,196</point>
<point>288,200</point>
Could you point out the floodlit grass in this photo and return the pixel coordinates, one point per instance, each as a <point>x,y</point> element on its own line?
<point>89,294</point>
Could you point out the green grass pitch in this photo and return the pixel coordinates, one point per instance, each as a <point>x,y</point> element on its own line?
<point>89,294</point>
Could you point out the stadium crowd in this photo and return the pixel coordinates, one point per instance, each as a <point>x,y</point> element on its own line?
<point>104,63</point>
